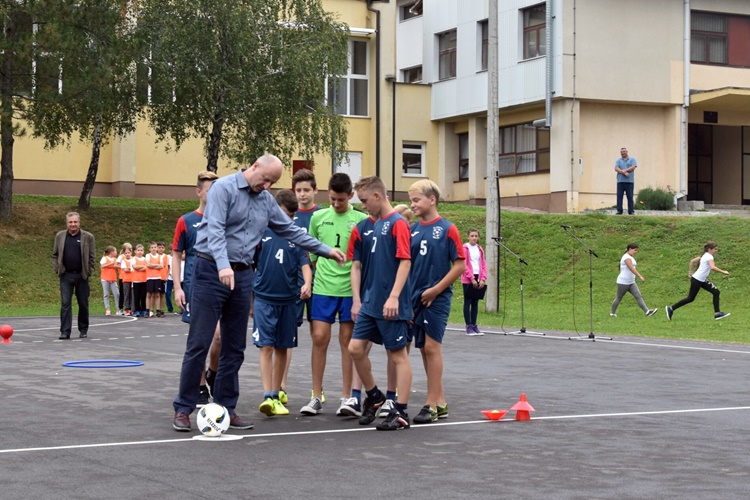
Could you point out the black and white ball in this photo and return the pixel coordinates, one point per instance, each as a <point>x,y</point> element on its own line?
<point>213,420</point>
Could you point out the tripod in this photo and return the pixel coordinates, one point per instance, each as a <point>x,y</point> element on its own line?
<point>521,263</point>
<point>592,254</point>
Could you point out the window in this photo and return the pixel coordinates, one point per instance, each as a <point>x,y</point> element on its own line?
<point>719,39</point>
<point>534,31</point>
<point>412,75</point>
<point>463,157</point>
<point>410,10</point>
<point>524,149</point>
<point>298,165</point>
<point>349,94</point>
<point>447,55</point>
<point>483,43</point>
<point>412,155</point>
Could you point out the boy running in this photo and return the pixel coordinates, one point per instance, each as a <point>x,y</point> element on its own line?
<point>437,260</point>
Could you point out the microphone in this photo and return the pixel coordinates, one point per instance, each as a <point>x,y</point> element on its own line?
<point>564,226</point>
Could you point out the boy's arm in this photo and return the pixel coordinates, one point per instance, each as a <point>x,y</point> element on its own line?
<point>306,290</point>
<point>356,275</point>
<point>179,294</point>
<point>429,295</point>
<point>390,309</point>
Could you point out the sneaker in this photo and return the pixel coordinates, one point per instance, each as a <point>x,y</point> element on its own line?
<point>283,397</point>
<point>159,313</point>
<point>314,407</point>
<point>210,379</point>
<point>615,315</point>
<point>442,411</point>
<point>669,312</point>
<point>151,314</point>
<point>349,408</point>
<point>470,330</point>
<point>394,422</point>
<point>370,408</point>
<point>721,315</point>
<point>235,422</point>
<point>279,408</point>
<point>266,407</point>
<point>202,397</point>
<point>477,331</point>
<point>322,395</point>
<point>426,415</point>
<point>385,410</point>
<point>651,312</point>
<point>181,422</point>
<point>137,314</point>
<point>108,313</point>
<point>118,313</point>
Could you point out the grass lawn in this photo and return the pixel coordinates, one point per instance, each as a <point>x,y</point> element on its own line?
<point>556,281</point>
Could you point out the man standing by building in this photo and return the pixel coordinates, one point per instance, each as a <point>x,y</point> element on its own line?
<point>238,211</point>
<point>625,167</point>
<point>73,258</point>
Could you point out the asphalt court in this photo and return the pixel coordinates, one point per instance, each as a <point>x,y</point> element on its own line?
<point>627,418</point>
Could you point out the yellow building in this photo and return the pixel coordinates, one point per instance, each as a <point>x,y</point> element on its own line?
<point>669,80</point>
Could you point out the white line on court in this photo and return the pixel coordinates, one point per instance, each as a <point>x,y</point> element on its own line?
<point>109,323</point>
<point>364,429</point>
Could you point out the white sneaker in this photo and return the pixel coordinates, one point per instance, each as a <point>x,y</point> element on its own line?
<point>386,408</point>
<point>349,408</point>
<point>614,315</point>
<point>313,407</point>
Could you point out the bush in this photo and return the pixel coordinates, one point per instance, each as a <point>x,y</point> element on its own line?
<point>655,199</point>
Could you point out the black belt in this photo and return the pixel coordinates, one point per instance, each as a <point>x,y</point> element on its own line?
<point>236,266</point>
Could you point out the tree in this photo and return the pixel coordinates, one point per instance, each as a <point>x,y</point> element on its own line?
<point>65,69</point>
<point>245,76</point>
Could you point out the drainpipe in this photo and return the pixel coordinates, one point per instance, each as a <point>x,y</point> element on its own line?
<point>392,79</point>
<point>548,63</point>
<point>685,100</point>
<point>377,86</point>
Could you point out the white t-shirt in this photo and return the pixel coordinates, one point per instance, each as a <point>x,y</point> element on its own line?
<point>169,263</point>
<point>704,268</point>
<point>474,256</point>
<point>626,276</point>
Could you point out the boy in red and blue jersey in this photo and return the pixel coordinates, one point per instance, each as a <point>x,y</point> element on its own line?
<point>437,260</point>
<point>276,291</point>
<point>381,301</point>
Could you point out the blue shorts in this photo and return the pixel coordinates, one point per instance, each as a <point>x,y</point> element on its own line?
<point>430,321</point>
<point>274,325</point>
<point>324,308</point>
<point>300,309</point>
<point>393,334</point>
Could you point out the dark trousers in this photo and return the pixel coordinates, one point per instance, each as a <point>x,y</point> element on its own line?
<point>211,301</point>
<point>168,294</point>
<point>121,297</point>
<point>471,303</point>
<point>625,188</point>
<point>695,287</point>
<point>139,296</point>
<point>74,283</point>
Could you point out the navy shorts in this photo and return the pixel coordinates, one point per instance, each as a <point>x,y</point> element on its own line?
<point>430,321</point>
<point>325,308</point>
<point>154,286</point>
<point>274,325</point>
<point>393,334</point>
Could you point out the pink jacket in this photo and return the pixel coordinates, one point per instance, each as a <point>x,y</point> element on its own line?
<point>469,273</point>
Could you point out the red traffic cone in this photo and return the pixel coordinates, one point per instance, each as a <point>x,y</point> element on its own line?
<point>522,409</point>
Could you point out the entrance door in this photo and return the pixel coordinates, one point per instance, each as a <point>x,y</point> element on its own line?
<point>700,163</point>
<point>351,165</point>
<point>746,165</point>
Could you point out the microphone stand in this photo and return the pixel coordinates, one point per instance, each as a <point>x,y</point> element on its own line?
<point>521,263</point>
<point>592,254</point>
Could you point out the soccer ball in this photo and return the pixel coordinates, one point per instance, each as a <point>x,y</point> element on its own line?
<point>213,420</point>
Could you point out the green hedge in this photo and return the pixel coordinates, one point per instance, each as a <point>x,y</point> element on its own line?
<point>655,199</point>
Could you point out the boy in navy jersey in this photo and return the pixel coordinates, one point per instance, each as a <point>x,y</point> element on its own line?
<point>276,291</point>
<point>437,260</point>
<point>381,301</point>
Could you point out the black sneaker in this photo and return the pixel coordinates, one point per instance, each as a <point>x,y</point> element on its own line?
<point>202,397</point>
<point>210,379</point>
<point>669,312</point>
<point>64,336</point>
<point>395,421</point>
<point>370,408</point>
<point>83,335</point>
<point>720,315</point>
<point>426,415</point>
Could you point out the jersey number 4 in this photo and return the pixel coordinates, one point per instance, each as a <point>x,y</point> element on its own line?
<point>280,256</point>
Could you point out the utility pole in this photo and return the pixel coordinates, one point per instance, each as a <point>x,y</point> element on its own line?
<point>493,142</point>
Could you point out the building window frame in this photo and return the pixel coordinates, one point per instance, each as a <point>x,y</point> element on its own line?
<point>524,149</point>
<point>410,10</point>
<point>463,157</point>
<point>534,31</point>
<point>410,150</point>
<point>344,92</point>
<point>709,38</point>
<point>447,44</point>
<point>483,32</point>
<point>412,75</point>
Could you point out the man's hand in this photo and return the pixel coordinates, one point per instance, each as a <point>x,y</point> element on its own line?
<point>338,256</point>
<point>179,297</point>
<point>226,276</point>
